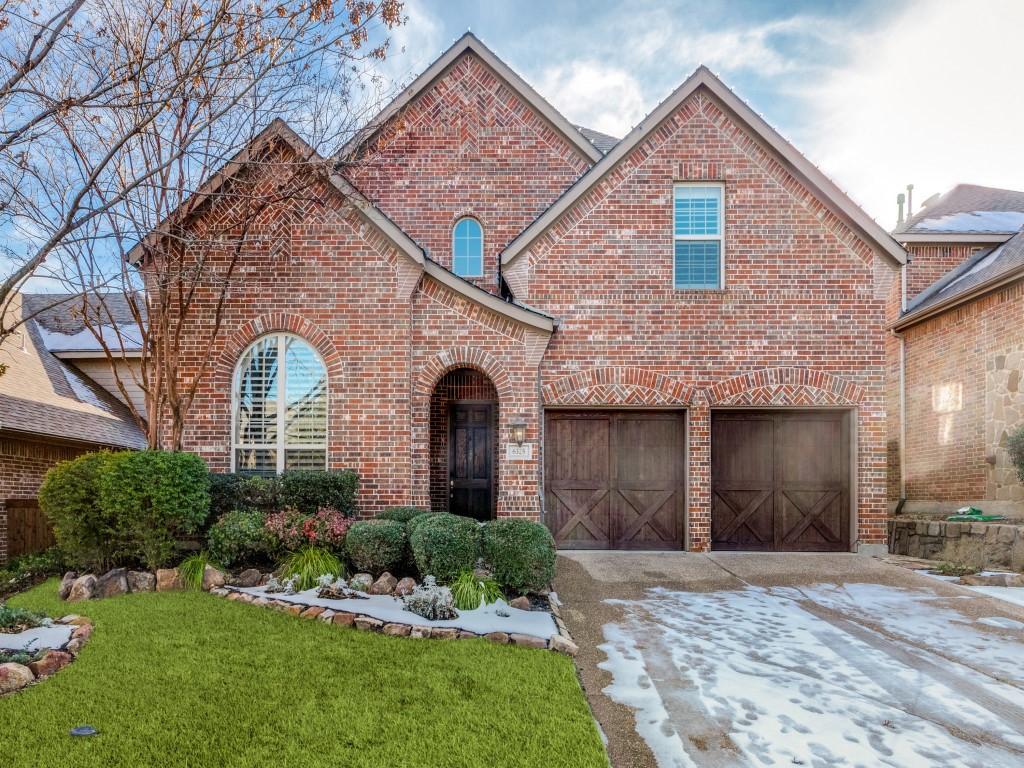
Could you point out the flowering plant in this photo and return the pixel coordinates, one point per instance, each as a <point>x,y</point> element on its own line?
<point>294,530</point>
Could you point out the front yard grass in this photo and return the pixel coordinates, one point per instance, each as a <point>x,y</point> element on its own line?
<point>187,679</point>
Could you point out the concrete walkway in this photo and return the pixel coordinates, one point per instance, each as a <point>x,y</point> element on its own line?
<point>735,659</point>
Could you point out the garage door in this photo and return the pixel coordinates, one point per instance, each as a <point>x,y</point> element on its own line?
<point>780,481</point>
<point>614,479</point>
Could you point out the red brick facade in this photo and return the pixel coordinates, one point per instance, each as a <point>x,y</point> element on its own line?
<point>800,323</point>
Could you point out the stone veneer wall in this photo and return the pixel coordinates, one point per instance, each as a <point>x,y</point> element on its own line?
<point>1004,412</point>
<point>1002,544</point>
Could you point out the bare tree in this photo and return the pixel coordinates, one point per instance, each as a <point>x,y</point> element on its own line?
<point>113,111</point>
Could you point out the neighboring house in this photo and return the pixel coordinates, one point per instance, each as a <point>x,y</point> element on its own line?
<point>676,340</point>
<point>962,339</point>
<point>53,406</point>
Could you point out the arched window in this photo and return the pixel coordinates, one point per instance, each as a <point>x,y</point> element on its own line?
<point>280,407</point>
<point>468,248</point>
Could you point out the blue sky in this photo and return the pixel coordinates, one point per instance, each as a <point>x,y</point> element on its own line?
<point>879,94</point>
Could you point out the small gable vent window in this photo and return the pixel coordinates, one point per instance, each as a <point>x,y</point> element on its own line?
<point>698,229</point>
<point>280,407</point>
<point>468,248</point>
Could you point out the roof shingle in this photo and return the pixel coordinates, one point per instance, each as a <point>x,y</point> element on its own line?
<point>968,209</point>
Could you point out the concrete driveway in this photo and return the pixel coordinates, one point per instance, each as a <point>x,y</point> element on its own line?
<point>737,659</point>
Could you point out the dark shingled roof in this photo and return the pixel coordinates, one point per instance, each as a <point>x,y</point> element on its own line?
<point>968,209</point>
<point>61,318</point>
<point>42,396</point>
<point>602,141</point>
<point>988,265</point>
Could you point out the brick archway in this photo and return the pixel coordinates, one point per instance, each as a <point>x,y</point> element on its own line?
<point>784,387</point>
<point>617,385</point>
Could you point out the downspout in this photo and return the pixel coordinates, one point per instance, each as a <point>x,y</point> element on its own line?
<point>903,395</point>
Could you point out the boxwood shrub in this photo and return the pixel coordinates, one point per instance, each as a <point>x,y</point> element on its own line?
<point>521,554</point>
<point>156,497</point>
<point>240,536</point>
<point>418,520</point>
<point>402,514</point>
<point>309,490</point>
<point>375,546</point>
<point>443,545</point>
<point>229,492</point>
<point>69,497</point>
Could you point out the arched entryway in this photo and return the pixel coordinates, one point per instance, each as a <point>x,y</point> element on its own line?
<point>464,444</point>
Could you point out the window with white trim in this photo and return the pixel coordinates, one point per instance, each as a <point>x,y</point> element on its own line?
<point>280,407</point>
<point>468,248</point>
<point>698,227</point>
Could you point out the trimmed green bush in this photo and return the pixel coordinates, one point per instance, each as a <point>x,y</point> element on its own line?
<point>418,520</point>
<point>1015,445</point>
<point>240,536</point>
<point>229,492</point>
<point>444,545</point>
<point>85,531</point>
<point>155,497</point>
<point>521,553</point>
<point>402,514</point>
<point>375,546</point>
<point>308,491</point>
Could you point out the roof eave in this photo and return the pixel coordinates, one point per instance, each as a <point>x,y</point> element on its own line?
<point>703,77</point>
<point>469,42</point>
<point>941,238</point>
<point>488,300</point>
<point>95,354</point>
<point>994,284</point>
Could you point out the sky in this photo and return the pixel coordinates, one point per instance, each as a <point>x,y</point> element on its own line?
<point>879,94</point>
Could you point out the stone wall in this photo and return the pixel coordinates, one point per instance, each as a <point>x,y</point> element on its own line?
<point>1000,545</point>
<point>1004,412</point>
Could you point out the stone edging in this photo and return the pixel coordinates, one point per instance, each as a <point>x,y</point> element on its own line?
<point>560,642</point>
<point>14,676</point>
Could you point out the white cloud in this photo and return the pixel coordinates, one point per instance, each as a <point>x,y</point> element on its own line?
<point>415,44</point>
<point>934,98</point>
<point>589,93</point>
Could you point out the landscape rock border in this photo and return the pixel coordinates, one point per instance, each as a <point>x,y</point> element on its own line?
<point>561,642</point>
<point>15,677</point>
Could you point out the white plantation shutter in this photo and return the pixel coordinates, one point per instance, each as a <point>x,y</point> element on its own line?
<point>280,407</point>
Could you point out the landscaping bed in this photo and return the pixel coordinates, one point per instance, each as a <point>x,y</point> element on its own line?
<point>179,678</point>
<point>33,647</point>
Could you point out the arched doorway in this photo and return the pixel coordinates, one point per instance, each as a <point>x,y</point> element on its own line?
<point>463,444</point>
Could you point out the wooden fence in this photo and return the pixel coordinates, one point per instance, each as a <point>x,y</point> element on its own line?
<point>28,530</point>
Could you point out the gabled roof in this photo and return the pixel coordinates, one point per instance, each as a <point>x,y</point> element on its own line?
<point>469,42</point>
<point>44,398</point>
<point>966,213</point>
<point>795,162</point>
<point>985,271</point>
<point>279,129</point>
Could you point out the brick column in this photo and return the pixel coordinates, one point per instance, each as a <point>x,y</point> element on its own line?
<point>698,435</point>
<point>3,533</point>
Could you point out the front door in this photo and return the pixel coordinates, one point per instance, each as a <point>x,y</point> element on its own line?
<point>471,459</point>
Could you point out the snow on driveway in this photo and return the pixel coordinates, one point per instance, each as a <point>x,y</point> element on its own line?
<point>854,675</point>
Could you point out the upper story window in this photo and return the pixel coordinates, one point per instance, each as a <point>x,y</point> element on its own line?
<point>698,231</point>
<point>468,248</point>
<point>280,407</point>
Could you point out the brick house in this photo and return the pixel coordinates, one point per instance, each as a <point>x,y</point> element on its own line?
<point>675,340</point>
<point>56,402</point>
<point>961,354</point>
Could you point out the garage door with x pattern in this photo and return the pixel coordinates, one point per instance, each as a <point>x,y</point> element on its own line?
<point>780,481</point>
<point>614,480</point>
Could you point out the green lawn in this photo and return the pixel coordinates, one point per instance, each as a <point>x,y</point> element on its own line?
<point>187,679</point>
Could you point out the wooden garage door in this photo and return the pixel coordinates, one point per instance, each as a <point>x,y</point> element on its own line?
<point>614,480</point>
<point>780,481</point>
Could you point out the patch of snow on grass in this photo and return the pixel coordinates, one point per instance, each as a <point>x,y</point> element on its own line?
<point>390,609</point>
<point>787,677</point>
<point>1002,622</point>
<point>1013,595</point>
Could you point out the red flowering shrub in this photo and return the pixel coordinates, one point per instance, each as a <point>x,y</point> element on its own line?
<point>294,530</point>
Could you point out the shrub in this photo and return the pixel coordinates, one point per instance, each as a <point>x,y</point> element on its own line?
<point>308,491</point>
<point>469,591</point>
<point>229,492</point>
<point>84,529</point>
<point>418,520</point>
<point>292,529</point>
<point>155,497</point>
<point>18,619</point>
<point>402,514</point>
<point>1015,445</point>
<point>431,601</point>
<point>240,536</point>
<point>444,545</point>
<point>521,554</point>
<point>376,546</point>
<point>305,567</point>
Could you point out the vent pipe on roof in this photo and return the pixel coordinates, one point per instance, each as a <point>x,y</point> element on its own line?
<point>899,203</point>
<point>910,200</point>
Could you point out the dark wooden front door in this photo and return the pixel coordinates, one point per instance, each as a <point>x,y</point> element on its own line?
<point>471,460</point>
<point>614,480</point>
<point>780,481</point>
